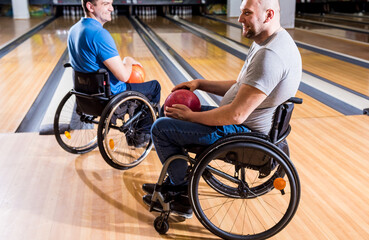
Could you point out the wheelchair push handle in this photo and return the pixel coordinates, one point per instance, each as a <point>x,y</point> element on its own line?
<point>66,65</point>
<point>295,100</point>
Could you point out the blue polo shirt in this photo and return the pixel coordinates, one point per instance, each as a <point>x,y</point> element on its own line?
<point>89,45</point>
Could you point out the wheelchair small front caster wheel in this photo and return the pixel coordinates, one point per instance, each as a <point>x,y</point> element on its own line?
<point>161,225</point>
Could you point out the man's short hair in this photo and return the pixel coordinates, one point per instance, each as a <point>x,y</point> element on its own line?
<point>84,2</point>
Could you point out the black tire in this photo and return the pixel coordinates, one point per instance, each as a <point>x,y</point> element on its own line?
<point>257,212</point>
<point>161,225</point>
<point>124,130</point>
<point>74,131</point>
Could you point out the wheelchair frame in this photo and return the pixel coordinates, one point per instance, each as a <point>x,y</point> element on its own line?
<point>200,169</point>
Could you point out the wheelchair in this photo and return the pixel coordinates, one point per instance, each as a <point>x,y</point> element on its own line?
<point>243,186</point>
<point>90,116</point>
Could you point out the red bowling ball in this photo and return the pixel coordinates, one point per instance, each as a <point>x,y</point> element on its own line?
<point>185,97</point>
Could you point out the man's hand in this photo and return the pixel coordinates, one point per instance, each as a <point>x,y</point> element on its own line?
<point>130,61</point>
<point>178,111</point>
<point>192,85</point>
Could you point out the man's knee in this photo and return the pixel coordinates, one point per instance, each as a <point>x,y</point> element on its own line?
<point>160,123</point>
<point>157,86</point>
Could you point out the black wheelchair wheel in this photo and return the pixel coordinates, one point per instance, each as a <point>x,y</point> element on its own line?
<point>257,211</point>
<point>75,132</point>
<point>124,130</point>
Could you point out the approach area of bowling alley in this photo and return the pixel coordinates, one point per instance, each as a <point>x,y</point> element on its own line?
<point>184,119</point>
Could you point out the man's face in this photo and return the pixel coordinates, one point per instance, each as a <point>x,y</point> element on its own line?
<point>102,10</point>
<point>251,18</point>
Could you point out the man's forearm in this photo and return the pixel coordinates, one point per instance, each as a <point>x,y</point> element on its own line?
<point>215,87</point>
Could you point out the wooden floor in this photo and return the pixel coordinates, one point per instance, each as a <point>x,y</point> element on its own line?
<point>47,193</point>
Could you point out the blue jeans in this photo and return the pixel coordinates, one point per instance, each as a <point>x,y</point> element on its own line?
<point>150,89</point>
<point>171,135</point>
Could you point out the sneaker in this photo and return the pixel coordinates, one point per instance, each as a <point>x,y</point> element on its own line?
<point>142,140</point>
<point>180,206</point>
<point>166,187</point>
<point>139,140</point>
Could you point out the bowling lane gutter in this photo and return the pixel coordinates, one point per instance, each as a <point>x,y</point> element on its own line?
<point>7,47</point>
<point>31,122</point>
<point>340,56</point>
<point>330,96</point>
<point>173,64</point>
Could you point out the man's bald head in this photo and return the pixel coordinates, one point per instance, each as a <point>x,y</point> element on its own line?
<point>259,18</point>
<point>269,4</point>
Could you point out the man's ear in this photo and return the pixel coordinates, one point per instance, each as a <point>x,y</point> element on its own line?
<point>269,15</point>
<point>90,7</point>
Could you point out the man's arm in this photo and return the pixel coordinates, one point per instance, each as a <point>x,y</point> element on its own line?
<point>247,100</point>
<point>217,87</point>
<point>120,69</point>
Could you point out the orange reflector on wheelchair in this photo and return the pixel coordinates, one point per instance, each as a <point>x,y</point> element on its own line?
<point>67,134</point>
<point>279,183</point>
<point>111,144</point>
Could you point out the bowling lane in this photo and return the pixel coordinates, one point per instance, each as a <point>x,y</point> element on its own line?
<point>24,71</point>
<point>13,28</point>
<point>346,74</point>
<point>214,63</point>
<point>210,61</point>
<point>129,43</point>
<point>335,20</point>
<point>324,39</point>
<point>331,31</point>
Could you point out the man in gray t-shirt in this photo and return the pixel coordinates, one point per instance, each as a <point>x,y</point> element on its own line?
<point>274,68</point>
<point>270,76</point>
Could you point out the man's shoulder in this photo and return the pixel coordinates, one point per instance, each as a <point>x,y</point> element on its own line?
<point>281,38</point>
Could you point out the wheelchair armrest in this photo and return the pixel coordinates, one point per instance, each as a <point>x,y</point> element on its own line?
<point>102,70</point>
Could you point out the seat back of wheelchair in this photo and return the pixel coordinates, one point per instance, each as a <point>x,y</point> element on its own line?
<point>92,91</point>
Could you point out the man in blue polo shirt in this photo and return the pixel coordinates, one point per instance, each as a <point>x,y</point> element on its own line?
<point>91,47</point>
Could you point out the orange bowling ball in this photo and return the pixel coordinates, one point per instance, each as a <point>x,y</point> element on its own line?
<point>137,75</point>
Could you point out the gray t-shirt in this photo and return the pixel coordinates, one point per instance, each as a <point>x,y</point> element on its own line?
<point>273,67</point>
